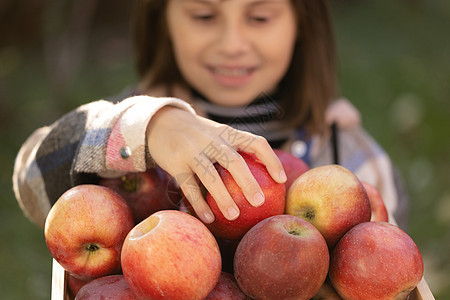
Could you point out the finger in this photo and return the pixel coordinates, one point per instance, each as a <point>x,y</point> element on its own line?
<point>210,178</point>
<point>236,165</point>
<point>265,154</point>
<point>192,192</point>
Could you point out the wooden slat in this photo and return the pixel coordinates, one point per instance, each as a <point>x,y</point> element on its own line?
<point>59,282</point>
<point>423,291</point>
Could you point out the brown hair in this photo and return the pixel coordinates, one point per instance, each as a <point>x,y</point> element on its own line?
<point>307,88</point>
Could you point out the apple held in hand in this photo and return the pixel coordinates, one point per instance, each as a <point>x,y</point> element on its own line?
<point>375,260</point>
<point>293,166</point>
<point>145,192</point>
<point>106,287</point>
<point>281,257</point>
<point>274,203</point>
<point>171,255</point>
<point>85,230</point>
<point>331,198</point>
<point>377,207</point>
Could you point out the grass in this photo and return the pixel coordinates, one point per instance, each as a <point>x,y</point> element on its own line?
<point>395,66</point>
<point>394,60</point>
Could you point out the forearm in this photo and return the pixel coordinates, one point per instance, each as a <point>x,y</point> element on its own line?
<point>80,146</point>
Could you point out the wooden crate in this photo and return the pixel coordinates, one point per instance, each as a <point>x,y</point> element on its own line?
<point>59,282</point>
<point>60,289</point>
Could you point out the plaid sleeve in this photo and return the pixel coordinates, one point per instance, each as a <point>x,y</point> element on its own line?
<point>80,146</point>
<point>27,180</point>
<point>117,145</point>
<point>42,170</point>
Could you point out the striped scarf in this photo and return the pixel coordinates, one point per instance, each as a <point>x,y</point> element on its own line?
<point>263,116</point>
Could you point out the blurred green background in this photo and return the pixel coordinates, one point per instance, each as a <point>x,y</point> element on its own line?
<point>394,62</point>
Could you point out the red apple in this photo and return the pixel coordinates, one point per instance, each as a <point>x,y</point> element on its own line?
<point>171,255</point>
<point>226,289</point>
<point>274,203</point>
<point>330,197</point>
<point>106,287</point>
<point>375,260</point>
<point>85,230</point>
<point>281,257</point>
<point>293,166</point>
<point>377,207</point>
<point>145,192</point>
<point>75,284</point>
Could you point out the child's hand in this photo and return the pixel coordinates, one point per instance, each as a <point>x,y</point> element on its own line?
<point>185,145</point>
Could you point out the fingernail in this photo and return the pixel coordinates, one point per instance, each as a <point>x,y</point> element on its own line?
<point>208,217</point>
<point>283,176</point>
<point>258,199</point>
<point>233,213</point>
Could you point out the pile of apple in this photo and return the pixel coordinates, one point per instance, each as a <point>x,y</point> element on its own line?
<point>323,234</point>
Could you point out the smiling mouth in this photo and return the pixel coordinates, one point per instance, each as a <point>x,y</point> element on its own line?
<point>232,72</point>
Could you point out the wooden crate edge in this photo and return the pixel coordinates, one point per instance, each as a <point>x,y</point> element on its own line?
<point>422,291</point>
<point>59,282</point>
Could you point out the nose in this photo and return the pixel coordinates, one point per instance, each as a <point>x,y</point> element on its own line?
<point>232,40</point>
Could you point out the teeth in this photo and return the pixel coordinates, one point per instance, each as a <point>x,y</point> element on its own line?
<point>231,72</point>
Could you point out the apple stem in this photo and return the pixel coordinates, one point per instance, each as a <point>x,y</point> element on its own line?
<point>294,232</point>
<point>309,214</point>
<point>130,182</point>
<point>92,247</point>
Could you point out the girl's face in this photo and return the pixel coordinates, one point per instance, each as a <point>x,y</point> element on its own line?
<point>232,50</point>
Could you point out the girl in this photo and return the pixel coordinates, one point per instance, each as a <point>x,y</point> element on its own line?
<point>217,76</point>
